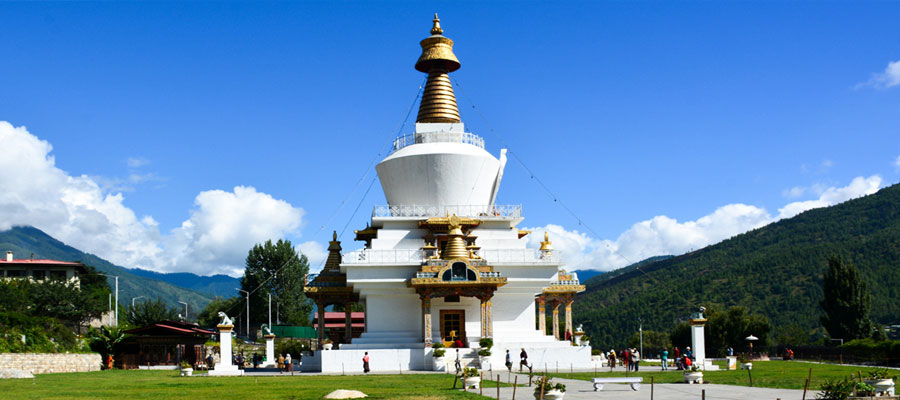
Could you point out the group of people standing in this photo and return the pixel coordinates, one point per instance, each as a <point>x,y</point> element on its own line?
<point>630,358</point>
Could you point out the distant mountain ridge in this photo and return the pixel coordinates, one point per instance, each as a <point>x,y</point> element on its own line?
<point>775,270</point>
<point>24,240</point>
<point>217,285</point>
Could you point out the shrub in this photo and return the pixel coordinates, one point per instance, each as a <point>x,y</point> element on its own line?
<point>439,352</point>
<point>292,347</point>
<point>836,389</point>
<point>469,372</point>
<point>546,384</point>
<point>486,343</point>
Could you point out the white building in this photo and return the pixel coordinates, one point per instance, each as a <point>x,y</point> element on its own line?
<point>442,261</point>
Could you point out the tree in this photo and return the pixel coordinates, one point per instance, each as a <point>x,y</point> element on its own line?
<point>730,328</point>
<point>846,301</point>
<point>148,312</point>
<point>210,315</point>
<point>276,269</point>
<point>654,341</point>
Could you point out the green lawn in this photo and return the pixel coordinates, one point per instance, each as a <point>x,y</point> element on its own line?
<point>773,374</point>
<point>135,384</point>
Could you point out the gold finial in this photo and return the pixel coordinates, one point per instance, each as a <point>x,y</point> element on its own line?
<point>436,29</point>
<point>333,262</point>
<point>438,103</point>
<point>546,245</point>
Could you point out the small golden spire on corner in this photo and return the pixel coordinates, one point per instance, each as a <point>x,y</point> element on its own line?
<point>334,235</point>
<point>546,245</point>
<point>436,29</point>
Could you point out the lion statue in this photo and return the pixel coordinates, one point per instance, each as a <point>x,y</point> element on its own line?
<point>225,319</point>
<point>266,330</point>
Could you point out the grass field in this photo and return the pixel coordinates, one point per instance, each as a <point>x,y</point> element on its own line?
<point>135,384</point>
<point>772,374</point>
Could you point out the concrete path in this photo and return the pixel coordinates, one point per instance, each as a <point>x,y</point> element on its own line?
<point>578,389</point>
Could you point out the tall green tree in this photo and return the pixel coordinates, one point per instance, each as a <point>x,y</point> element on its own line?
<point>847,301</point>
<point>276,269</point>
<point>148,312</point>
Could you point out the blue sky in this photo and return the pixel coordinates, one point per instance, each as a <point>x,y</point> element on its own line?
<point>664,126</point>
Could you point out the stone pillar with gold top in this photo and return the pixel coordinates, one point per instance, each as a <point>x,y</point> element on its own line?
<point>569,302</point>
<point>224,367</point>
<point>698,341</point>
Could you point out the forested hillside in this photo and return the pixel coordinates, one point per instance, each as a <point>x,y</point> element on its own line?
<point>24,240</point>
<point>775,270</point>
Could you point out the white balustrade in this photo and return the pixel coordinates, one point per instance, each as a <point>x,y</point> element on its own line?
<point>411,257</point>
<point>478,211</point>
<point>438,137</point>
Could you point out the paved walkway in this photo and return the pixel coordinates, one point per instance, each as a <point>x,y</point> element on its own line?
<point>578,389</point>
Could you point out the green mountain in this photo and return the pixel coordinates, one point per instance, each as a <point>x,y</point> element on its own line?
<point>25,240</point>
<point>217,285</point>
<point>775,271</point>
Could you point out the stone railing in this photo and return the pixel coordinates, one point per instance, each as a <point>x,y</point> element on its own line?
<point>438,137</point>
<point>475,211</point>
<point>43,363</point>
<point>390,256</point>
<point>416,257</point>
<point>516,256</point>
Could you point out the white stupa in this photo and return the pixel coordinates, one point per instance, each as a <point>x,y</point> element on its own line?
<point>443,262</point>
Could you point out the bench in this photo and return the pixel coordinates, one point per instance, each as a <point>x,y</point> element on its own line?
<point>635,382</point>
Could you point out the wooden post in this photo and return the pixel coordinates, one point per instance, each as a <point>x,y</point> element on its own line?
<point>808,382</point>
<point>515,384</point>
<point>481,384</point>
<point>542,387</point>
<point>455,378</point>
<point>751,377</point>
<point>498,386</point>
<point>703,394</point>
<point>651,388</point>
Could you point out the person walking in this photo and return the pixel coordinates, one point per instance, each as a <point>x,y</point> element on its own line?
<point>288,365</point>
<point>636,359</point>
<point>664,358</point>
<point>626,359</point>
<point>366,362</point>
<point>280,362</point>
<point>458,362</point>
<point>508,361</point>
<point>612,358</point>
<point>523,359</point>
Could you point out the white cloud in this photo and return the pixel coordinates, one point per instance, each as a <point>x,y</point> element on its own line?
<point>136,162</point>
<point>82,213</point>
<point>888,78</point>
<point>662,235</point>
<point>897,163</point>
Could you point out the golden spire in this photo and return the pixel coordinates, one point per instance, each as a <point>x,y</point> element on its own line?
<point>546,245</point>
<point>333,262</point>
<point>437,60</point>
<point>456,244</point>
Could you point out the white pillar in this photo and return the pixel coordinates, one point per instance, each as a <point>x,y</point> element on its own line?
<point>698,342</point>
<point>270,351</point>
<point>225,367</point>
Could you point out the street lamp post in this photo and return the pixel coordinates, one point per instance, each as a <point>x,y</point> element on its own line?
<point>641,334</point>
<point>247,332</point>
<point>133,299</point>
<point>185,310</point>
<point>117,297</point>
